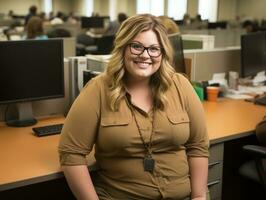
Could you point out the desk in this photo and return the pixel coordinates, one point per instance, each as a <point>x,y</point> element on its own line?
<point>27,159</point>
<point>227,120</point>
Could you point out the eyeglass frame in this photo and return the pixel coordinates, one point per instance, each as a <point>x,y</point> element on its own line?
<point>145,48</point>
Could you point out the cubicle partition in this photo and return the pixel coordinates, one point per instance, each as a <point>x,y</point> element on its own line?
<point>73,29</point>
<point>191,41</point>
<point>223,37</point>
<point>206,62</point>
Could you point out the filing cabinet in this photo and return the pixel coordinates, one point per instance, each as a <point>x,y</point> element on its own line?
<point>216,171</point>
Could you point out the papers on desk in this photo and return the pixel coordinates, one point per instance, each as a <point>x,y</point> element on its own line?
<point>238,96</point>
<point>245,92</point>
<point>259,78</point>
<point>218,78</point>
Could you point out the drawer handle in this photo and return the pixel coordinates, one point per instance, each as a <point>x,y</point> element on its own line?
<point>213,183</point>
<point>214,163</point>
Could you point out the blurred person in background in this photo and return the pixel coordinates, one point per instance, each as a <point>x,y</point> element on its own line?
<point>32,12</point>
<point>114,25</point>
<point>35,29</point>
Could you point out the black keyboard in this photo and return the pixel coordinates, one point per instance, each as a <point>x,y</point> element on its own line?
<point>260,100</point>
<point>47,130</point>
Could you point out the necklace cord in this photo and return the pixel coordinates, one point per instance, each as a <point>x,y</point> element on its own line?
<point>148,146</point>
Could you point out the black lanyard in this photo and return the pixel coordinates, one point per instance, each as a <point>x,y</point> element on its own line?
<point>148,161</point>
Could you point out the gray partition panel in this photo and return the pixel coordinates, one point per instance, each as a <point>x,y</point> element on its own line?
<point>207,62</point>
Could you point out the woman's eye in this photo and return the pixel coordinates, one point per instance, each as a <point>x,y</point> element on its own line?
<point>154,49</point>
<point>137,46</point>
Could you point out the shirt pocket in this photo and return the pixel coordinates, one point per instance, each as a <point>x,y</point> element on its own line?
<point>178,118</point>
<point>114,134</point>
<point>114,121</point>
<point>180,127</point>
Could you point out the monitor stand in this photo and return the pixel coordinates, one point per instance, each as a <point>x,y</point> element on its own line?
<point>23,117</point>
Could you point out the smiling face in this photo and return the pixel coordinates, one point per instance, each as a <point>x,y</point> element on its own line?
<point>141,67</point>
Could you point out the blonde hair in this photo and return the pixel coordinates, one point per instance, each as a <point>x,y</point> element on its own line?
<point>115,71</point>
<point>34,27</point>
<point>169,24</point>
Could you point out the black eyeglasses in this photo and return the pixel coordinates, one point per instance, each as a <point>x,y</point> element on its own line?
<point>138,49</point>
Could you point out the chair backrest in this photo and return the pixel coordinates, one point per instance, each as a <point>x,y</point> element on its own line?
<point>261,131</point>
<point>105,44</point>
<point>84,39</point>
<point>179,61</point>
<point>58,33</point>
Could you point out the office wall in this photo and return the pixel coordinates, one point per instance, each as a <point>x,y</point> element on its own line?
<point>227,9</point>
<point>127,6</point>
<point>102,7</point>
<point>79,7</point>
<point>19,7</point>
<point>64,6</point>
<point>251,8</point>
<point>192,7</point>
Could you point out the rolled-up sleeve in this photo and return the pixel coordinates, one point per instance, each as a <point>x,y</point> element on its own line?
<point>198,142</point>
<point>80,128</point>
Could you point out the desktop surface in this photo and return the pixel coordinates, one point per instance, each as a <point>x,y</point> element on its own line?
<point>25,156</point>
<point>27,159</point>
<point>228,119</point>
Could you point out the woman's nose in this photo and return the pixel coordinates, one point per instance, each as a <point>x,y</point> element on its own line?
<point>145,53</point>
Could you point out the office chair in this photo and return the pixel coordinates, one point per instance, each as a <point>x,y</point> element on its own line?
<point>58,33</point>
<point>255,169</point>
<point>85,39</point>
<point>105,44</point>
<point>85,44</point>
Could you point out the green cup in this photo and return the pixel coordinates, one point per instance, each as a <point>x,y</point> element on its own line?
<point>199,91</point>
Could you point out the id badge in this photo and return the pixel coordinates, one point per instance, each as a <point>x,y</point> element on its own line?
<point>148,163</point>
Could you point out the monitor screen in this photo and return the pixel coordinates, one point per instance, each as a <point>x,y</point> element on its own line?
<point>92,22</point>
<point>179,22</point>
<point>31,70</point>
<point>253,49</point>
<point>217,25</point>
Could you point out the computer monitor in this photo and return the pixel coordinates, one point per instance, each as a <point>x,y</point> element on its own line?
<point>30,70</point>
<point>217,25</point>
<point>179,22</point>
<point>92,22</point>
<point>253,54</point>
<point>179,61</point>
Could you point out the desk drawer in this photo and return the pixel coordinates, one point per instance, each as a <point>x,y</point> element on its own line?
<point>215,188</point>
<point>215,175</point>
<point>216,152</point>
<point>215,171</point>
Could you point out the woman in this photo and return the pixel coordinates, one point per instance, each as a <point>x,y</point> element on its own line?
<point>146,122</point>
<point>35,28</point>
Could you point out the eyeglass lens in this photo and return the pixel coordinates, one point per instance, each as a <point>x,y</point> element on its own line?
<point>138,49</point>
